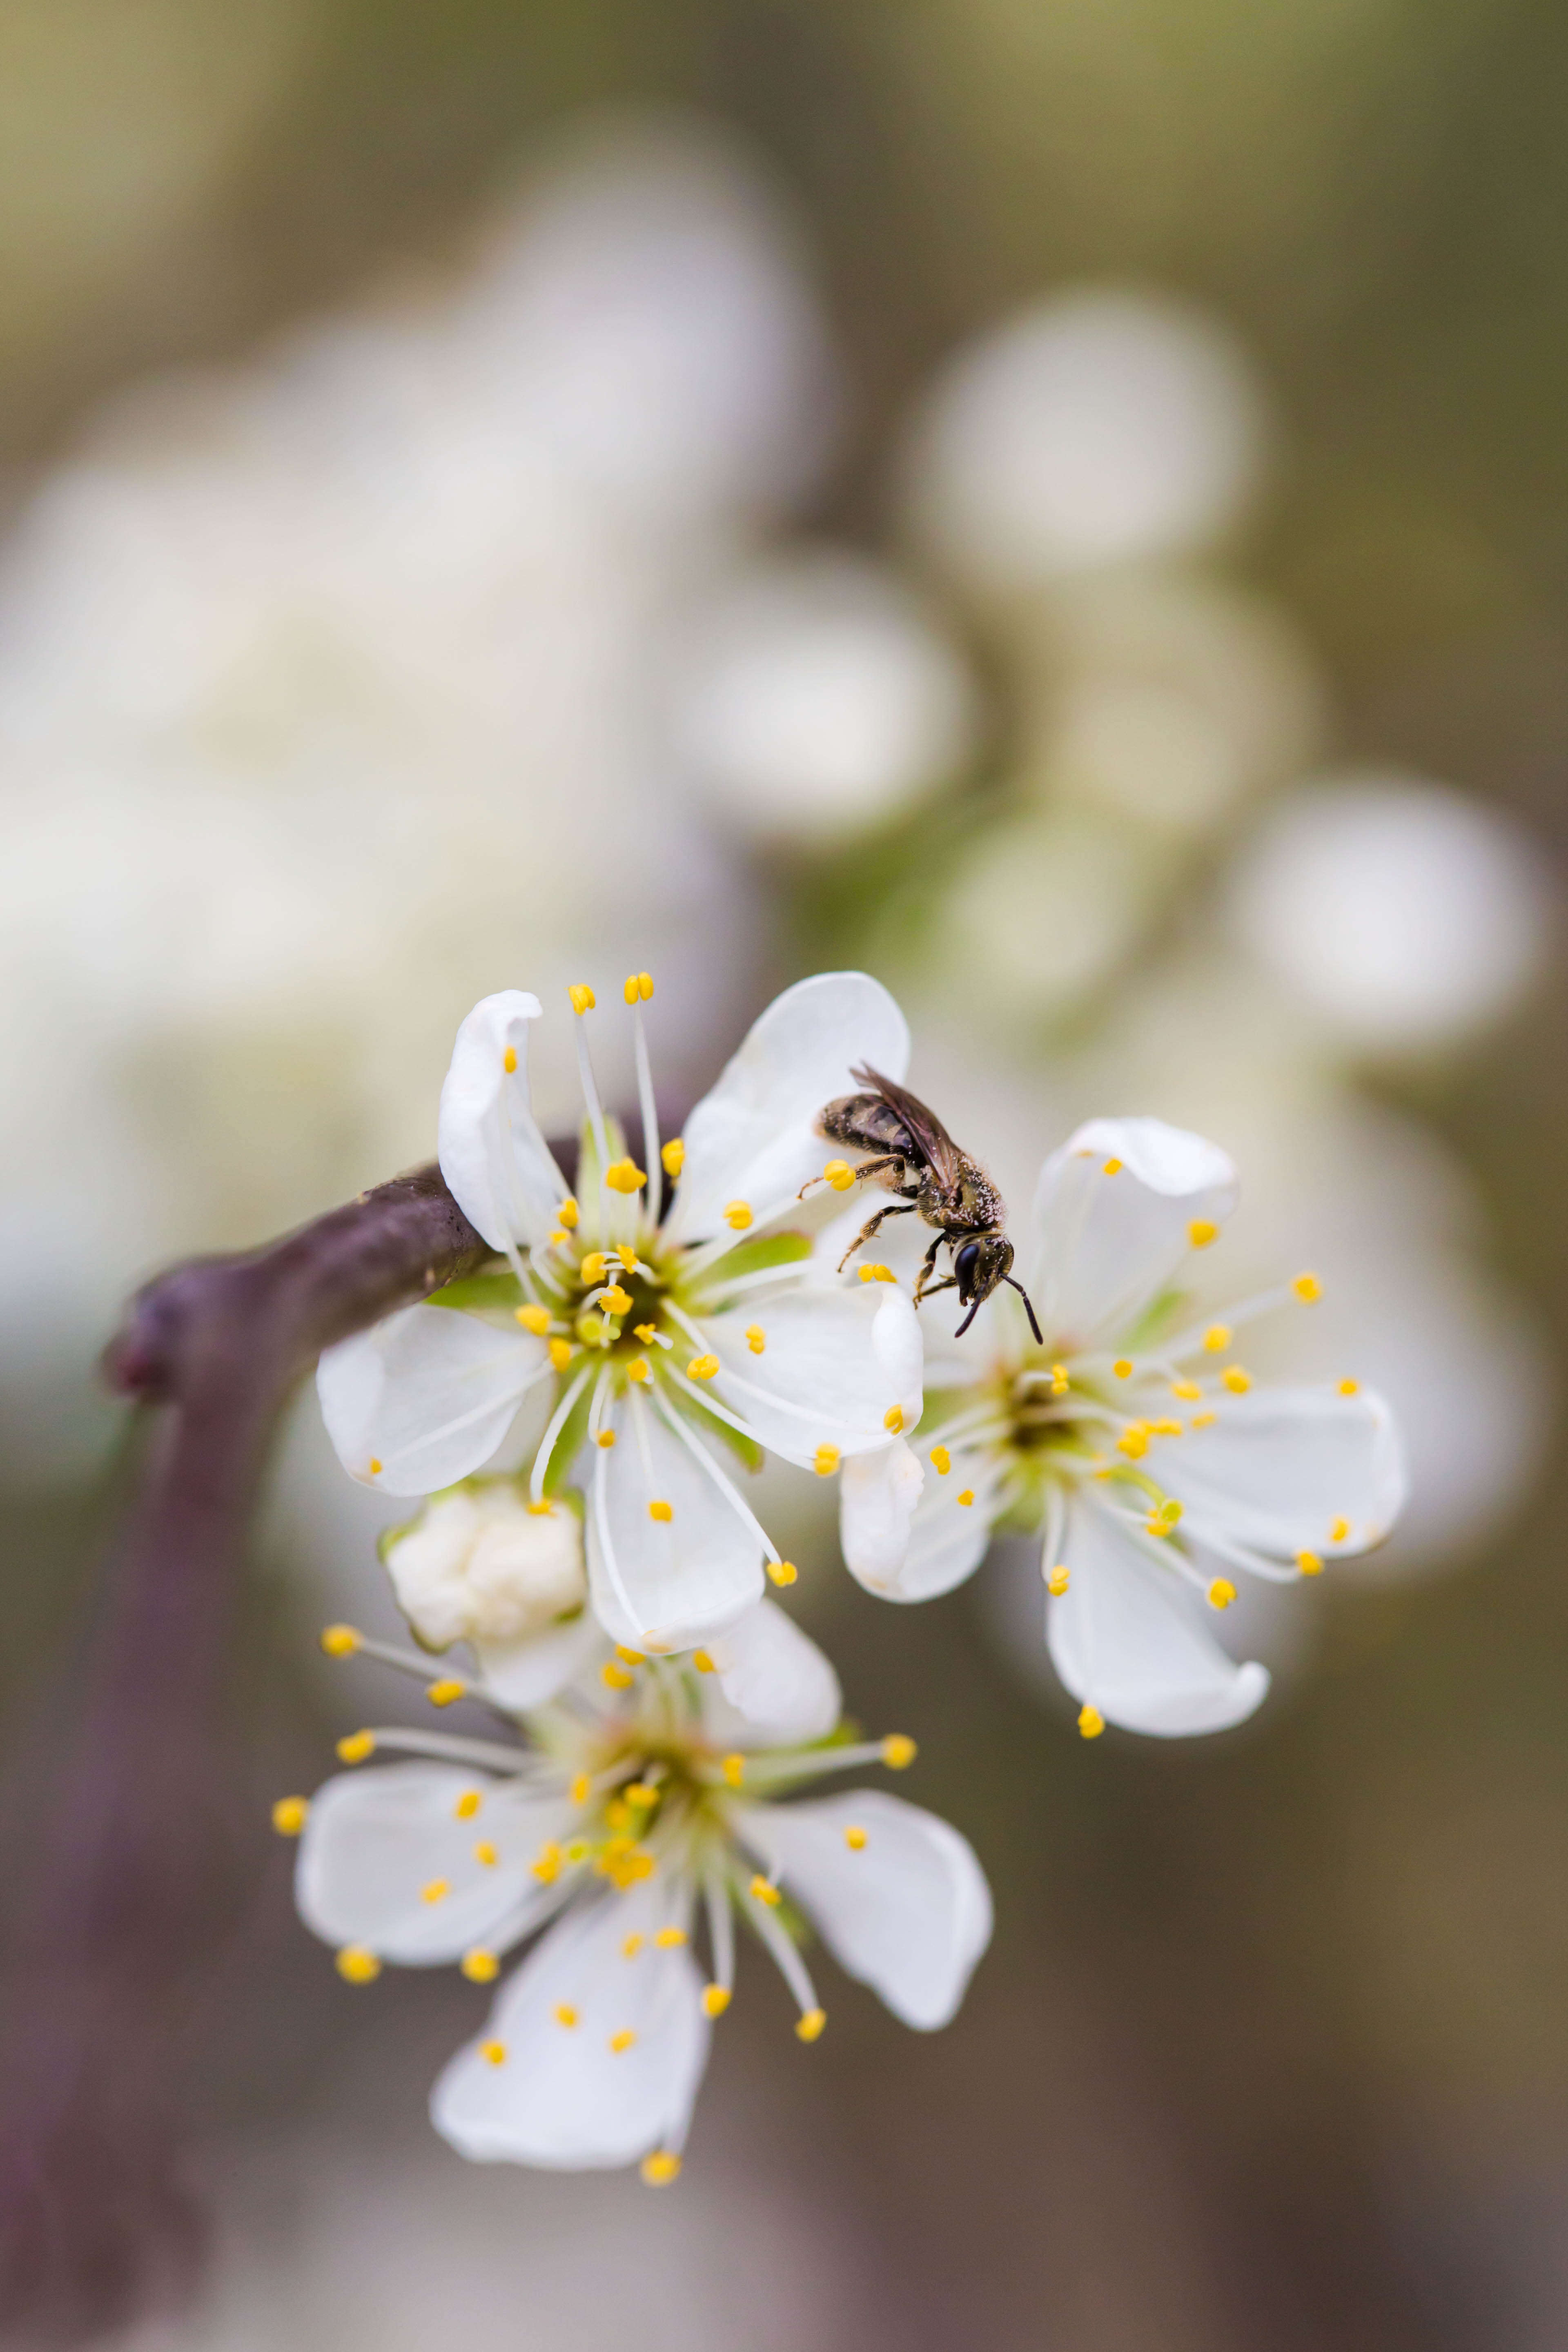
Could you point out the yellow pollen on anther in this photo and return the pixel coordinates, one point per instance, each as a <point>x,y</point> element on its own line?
<point>663,1512</point>
<point>341,1640</point>
<point>543,1510</point>
<point>479,1966</point>
<point>374,1467</point>
<point>629,989</point>
<point>1134,1441</point>
<point>623,2040</point>
<point>661,2167</point>
<point>605,1439</point>
<point>625,1176</point>
<point>627,1257</point>
<point>1309,1563</point>
<point>893,1419</point>
<point>840,1174</point>
<point>493,2053</point>
<point>446,1692</point>
<point>581,1789</point>
<point>674,1157</point>
<point>1188,1391</point>
<point>632,1946</point>
<point>968,1496</point>
<point>1091,1722</point>
<point>809,2027</point>
<point>824,1461</point>
<point>715,2000</point>
<point>592,1269</point>
<point>738,1215</point>
<point>535,1320</point>
<point>1235,1380</point>
<point>734,1769</point>
<point>290,1815</point>
<point>646,1332</point>
<point>783,1572</point>
<point>1217,1336</point>
<point>436,1890</point>
<point>898,1751</point>
<point>877,1273</point>
<point>1059,1380</point>
<point>486,1853</point>
<point>1113,1166</point>
<point>642,1793</point>
<point>357,1966</point>
<point>1307,1290</point>
<point>566,1214</point>
<point>630,1657</point>
<point>615,1300</point>
<point>614,1678</point>
<point>1221,1593</point>
<point>1164,1429</point>
<point>854,1839</point>
<point>701,1368</point>
<point>565,2014</point>
<point>508,1060</point>
<point>546,1866</point>
<point>703,1662</point>
<point>765,1891</point>
<point>1201,1419</point>
<point>941,1460</point>
<point>357,1746</point>
<point>669,1938</point>
<point>1339,1531</point>
<point>1058,1581</point>
<point>582,998</point>
<point>756,1338</point>
<point>1349,1388</point>
<point>1122,1368</point>
<point>559,1354</point>
<point>638,1369</point>
<point>1201,1231</point>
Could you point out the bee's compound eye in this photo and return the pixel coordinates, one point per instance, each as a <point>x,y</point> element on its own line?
<point>963,1263</point>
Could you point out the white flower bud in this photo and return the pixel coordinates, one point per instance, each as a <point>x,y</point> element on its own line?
<point>477,1565</point>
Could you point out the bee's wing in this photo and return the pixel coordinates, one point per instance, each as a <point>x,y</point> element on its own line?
<point>926,1130</point>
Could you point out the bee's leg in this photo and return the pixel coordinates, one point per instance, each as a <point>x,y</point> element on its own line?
<point>947,1283</point>
<point>867,1168</point>
<point>928,1267</point>
<point>894,1209</point>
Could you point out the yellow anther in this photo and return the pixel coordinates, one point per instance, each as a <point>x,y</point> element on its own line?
<point>559,1354</point>
<point>436,1890</point>
<point>630,1657</point>
<point>1134,1441</point>
<point>546,1863</point>
<point>625,1176</point>
<point>638,1369</point>
<point>341,1640</point>
<point>1235,1380</point>
<point>493,2053</point>
<point>446,1692</point>
<point>486,1853</point>
<point>1188,1391</point>
<point>669,1938</point>
<point>543,1510</point>
<point>627,1256</point>
<point>646,1332</point>
<point>1221,1592</point>
<point>479,1966</point>
<point>358,1966</point>
<point>592,1269</point>
<point>809,2026</point>
<point>674,1157</point>
<point>1201,1419</point>
<point>290,1815</point>
<point>663,1512</point>
<point>1217,1336</point>
<point>641,1793</point>
<point>565,2014</point>
<point>614,1678</point>
<point>893,1419</point>
<point>1059,1380</point>
<point>756,1338</point>
<point>579,1850</point>
<point>734,1769</point>
<point>582,998</point>
<point>1091,1722</point>
<point>716,1999</point>
<point>1164,1429</point>
<point>1309,1563</point>
<point>508,1060</point>
<point>618,1814</point>
<point>1113,1166</point>
<point>623,2040</point>
<point>898,1751</point>
<point>941,1460</point>
<point>566,1214</point>
<point>783,1572</point>
<point>582,1788</point>
<point>1058,1581</point>
<point>1307,1290</point>
<point>766,1892</point>
<point>632,988</point>
<point>877,1273</point>
<point>738,1215</point>
<point>1339,1531</point>
<point>615,1300</point>
<point>701,1368</point>
<point>968,1496</point>
<point>605,1439</point>
<point>357,1746</point>
<point>840,1174</point>
<point>375,1467</point>
<point>703,1662</point>
<point>1122,1368</point>
<point>535,1318</point>
<point>633,1945</point>
<point>1349,1388</point>
<point>854,1839</point>
<point>824,1461</point>
<point>661,2167</point>
<point>1200,1233</point>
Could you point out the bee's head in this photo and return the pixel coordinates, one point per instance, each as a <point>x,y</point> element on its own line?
<point>980,1265</point>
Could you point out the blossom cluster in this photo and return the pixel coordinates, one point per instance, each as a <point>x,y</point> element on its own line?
<point>578,1420</point>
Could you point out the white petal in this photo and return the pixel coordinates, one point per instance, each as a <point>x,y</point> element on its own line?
<point>1278,1468</point>
<point>1103,1247</point>
<point>665,1584</point>
<point>773,1687</point>
<point>562,2096</point>
<point>905,1534</point>
<point>429,1392</point>
<point>907,1912</point>
<point>877,1492</point>
<point>375,1840</point>
<point>496,1164</point>
<point>1128,1637</point>
<point>527,1673</point>
<point>752,1138</point>
<point>835,1364</point>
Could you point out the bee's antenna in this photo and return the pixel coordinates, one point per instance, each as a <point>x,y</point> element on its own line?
<point>969,1319</point>
<point>1029,1309</point>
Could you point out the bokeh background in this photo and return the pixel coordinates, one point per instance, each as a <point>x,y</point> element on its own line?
<point>1066,508</point>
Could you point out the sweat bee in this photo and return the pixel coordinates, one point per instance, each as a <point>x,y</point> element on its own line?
<point>916,1158</point>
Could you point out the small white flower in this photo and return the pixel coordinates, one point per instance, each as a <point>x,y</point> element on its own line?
<point>637,1820</point>
<point>1136,1442</point>
<point>663,1338</point>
